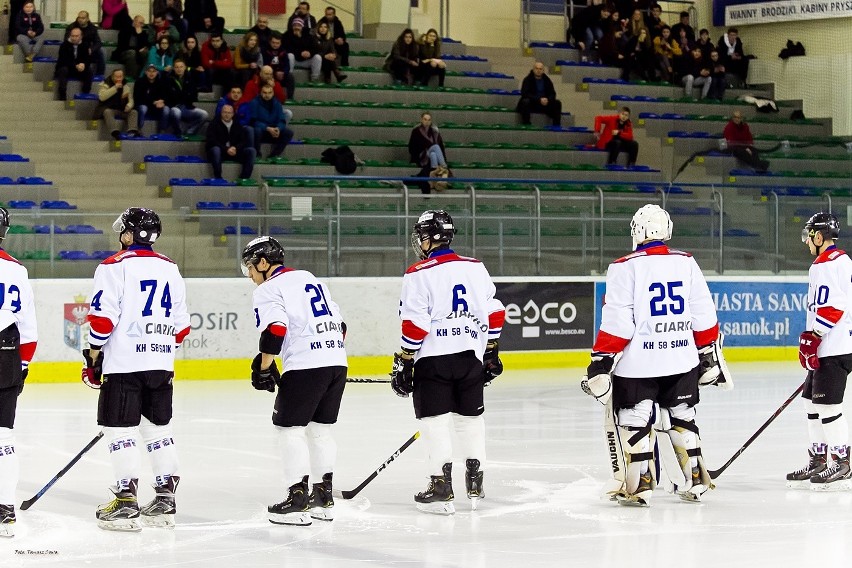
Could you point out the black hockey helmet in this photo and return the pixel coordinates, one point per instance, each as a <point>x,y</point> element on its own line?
<point>143,223</point>
<point>4,223</point>
<point>824,223</point>
<point>437,227</point>
<point>261,247</point>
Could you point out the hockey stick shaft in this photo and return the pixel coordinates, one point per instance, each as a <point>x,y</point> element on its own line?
<point>354,492</point>
<point>356,380</point>
<point>717,472</point>
<point>29,502</point>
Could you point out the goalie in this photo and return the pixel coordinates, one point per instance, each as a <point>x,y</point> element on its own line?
<point>658,341</point>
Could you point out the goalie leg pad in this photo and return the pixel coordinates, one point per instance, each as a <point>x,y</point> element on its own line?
<point>687,446</point>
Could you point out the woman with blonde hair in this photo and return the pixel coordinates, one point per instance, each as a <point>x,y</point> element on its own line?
<point>247,58</point>
<point>430,59</point>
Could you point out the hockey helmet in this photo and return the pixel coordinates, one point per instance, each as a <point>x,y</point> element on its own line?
<point>824,223</point>
<point>650,222</point>
<point>437,227</point>
<point>261,247</point>
<point>142,222</point>
<point>4,223</point>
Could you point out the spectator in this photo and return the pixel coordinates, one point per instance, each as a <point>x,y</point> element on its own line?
<point>683,62</point>
<point>133,47</point>
<point>730,48</point>
<point>162,57</point>
<point>741,143</point>
<point>191,55</point>
<point>227,140</point>
<point>654,21</point>
<point>217,60</point>
<point>698,74</point>
<point>29,31</point>
<point>247,58</point>
<point>15,7</point>
<point>116,14</point>
<point>589,25</point>
<point>640,56</point>
<point>160,28</point>
<point>684,25</point>
<point>665,50</point>
<point>613,49</point>
<point>150,94</point>
<point>426,150</point>
<point>328,52</point>
<point>275,56</point>
<point>91,39</point>
<point>73,62</point>
<point>242,109</point>
<point>172,12</point>
<point>265,77</point>
<point>615,135</point>
<point>717,69</point>
<point>704,43</point>
<point>116,103</point>
<point>303,12</point>
<point>339,34</point>
<point>538,95</point>
<point>269,123</point>
<point>302,49</point>
<point>636,24</point>
<point>183,94</point>
<point>262,30</point>
<point>202,16</point>
<point>404,60</point>
<point>430,62</point>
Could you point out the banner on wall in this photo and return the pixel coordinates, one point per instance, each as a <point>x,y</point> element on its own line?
<point>272,7</point>
<point>743,12</point>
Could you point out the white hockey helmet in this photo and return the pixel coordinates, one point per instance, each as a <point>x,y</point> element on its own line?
<point>650,222</point>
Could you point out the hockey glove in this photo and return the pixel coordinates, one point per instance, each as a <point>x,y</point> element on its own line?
<point>598,379</point>
<point>402,374</point>
<point>491,363</point>
<point>24,374</point>
<point>264,379</point>
<point>92,374</point>
<point>808,345</point>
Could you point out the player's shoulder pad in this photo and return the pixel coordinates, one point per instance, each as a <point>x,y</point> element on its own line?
<point>6,256</point>
<point>123,255</point>
<point>421,265</point>
<point>830,255</point>
<point>652,251</point>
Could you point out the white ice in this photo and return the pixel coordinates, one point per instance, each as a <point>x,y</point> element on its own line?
<point>546,467</point>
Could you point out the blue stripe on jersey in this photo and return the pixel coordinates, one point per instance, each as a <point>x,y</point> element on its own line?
<point>94,335</point>
<point>821,321</point>
<point>411,341</point>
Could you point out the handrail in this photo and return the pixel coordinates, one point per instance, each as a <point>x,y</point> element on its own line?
<point>777,209</point>
<point>720,200</point>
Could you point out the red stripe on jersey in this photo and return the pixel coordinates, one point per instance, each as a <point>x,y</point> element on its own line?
<point>651,251</point>
<point>831,314</point>
<point>411,331</point>
<point>181,335</point>
<point>436,260</point>
<point>496,319</point>
<point>6,256</point>
<point>101,325</point>
<point>125,254</point>
<point>607,343</point>
<point>27,350</point>
<point>279,272</point>
<point>832,253</point>
<point>277,329</point>
<point>707,336</point>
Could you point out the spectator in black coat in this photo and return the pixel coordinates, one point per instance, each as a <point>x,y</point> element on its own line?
<point>29,31</point>
<point>339,34</point>
<point>150,95</point>
<point>73,63</point>
<point>731,53</point>
<point>202,16</point>
<point>404,59</point>
<point>91,39</point>
<point>303,11</point>
<point>538,95</point>
<point>132,50</point>
<point>227,140</point>
<point>275,56</point>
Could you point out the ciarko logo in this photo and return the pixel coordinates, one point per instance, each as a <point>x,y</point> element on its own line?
<point>531,314</point>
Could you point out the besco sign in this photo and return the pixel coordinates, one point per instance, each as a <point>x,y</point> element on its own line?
<point>547,315</point>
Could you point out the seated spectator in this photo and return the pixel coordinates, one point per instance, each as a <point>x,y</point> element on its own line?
<point>635,24</point>
<point>115,14</point>
<point>242,110</point>
<point>269,124</point>
<point>91,39</point>
<point>115,97</point>
<point>275,56</point>
<point>741,143</point>
<point>262,30</point>
<point>612,50</point>
<point>665,50</point>
<point>717,74</point>
<point>328,52</point>
<point>29,31</point>
<point>160,27</point>
<point>73,62</point>
<point>183,94</point>
<point>426,150</point>
<point>704,43</point>
<point>218,61</point>
<point>538,95</point>
<point>683,62</point>
<point>684,25</point>
<point>227,140</point>
<point>202,16</point>
<point>404,59</point>
<point>256,83</point>
<point>339,34</point>
<point>615,135</point>
<point>133,47</point>
<point>150,94</point>
<point>247,58</point>
<point>172,12</point>
<point>589,25</point>
<point>731,52</point>
<point>162,56</point>
<point>640,56</point>
<point>302,49</point>
<point>430,62</point>
<point>698,74</point>
<point>191,55</point>
<point>303,12</point>
<point>654,21</point>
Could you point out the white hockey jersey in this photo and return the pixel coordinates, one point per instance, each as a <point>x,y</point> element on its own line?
<point>295,304</point>
<point>656,309</point>
<point>448,306</point>
<point>829,297</point>
<point>17,305</point>
<point>138,311</point>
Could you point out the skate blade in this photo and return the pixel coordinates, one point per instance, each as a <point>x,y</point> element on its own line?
<point>7,530</point>
<point>322,513</point>
<point>123,525</point>
<point>301,518</point>
<point>437,508</point>
<point>799,484</point>
<point>159,521</point>
<point>638,500</point>
<point>844,485</point>
<point>474,501</point>
<point>689,497</point>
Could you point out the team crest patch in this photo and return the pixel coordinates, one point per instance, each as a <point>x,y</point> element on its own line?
<point>75,327</point>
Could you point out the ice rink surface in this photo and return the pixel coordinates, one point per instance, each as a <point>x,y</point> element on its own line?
<point>546,467</point>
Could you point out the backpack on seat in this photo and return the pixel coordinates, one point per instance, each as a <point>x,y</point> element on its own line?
<point>342,158</point>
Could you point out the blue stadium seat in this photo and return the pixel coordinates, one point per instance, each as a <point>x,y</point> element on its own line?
<point>210,205</point>
<point>74,255</point>
<point>57,204</point>
<point>33,180</point>
<point>82,230</point>
<point>231,230</point>
<point>22,204</point>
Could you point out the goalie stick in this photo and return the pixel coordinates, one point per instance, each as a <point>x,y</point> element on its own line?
<point>355,380</point>
<point>717,472</point>
<point>354,492</point>
<point>29,502</point>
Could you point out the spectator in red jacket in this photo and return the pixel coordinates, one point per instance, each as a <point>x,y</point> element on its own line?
<point>741,142</point>
<point>615,135</point>
<point>217,61</point>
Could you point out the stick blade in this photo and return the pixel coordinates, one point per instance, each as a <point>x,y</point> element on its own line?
<point>348,494</point>
<point>27,504</point>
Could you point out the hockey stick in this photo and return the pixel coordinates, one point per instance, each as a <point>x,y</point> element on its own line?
<point>717,472</point>
<point>354,380</point>
<point>29,502</point>
<point>354,492</point>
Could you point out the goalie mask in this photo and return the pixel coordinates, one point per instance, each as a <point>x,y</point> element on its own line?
<point>4,223</point>
<point>434,226</point>
<point>824,223</point>
<point>143,223</point>
<point>262,247</point>
<point>650,222</point>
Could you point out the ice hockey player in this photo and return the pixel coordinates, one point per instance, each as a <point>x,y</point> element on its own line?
<point>451,323</point>
<point>138,319</point>
<point>825,350</point>
<point>658,341</point>
<point>298,320</point>
<point>17,345</point>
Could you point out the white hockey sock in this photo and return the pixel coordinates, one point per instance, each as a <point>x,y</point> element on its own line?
<point>470,432</point>
<point>835,426</point>
<point>9,467</point>
<point>816,432</point>
<point>123,454</point>
<point>293,449</point>
<point>161,450</point>
<point>439,441</point>
<point>323,450</point>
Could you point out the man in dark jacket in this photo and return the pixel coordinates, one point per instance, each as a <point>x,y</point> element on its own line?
<point>303,11</point>
<point>73,63</point>
<point>538,95</point>
<point>183,94</point>
<point>203,16</point>
<point>92,40</point>
<point>275,56</point>
<point>150,95</point>
<point>731,53</point>
<point>227,140</point>
<point>339,34</point>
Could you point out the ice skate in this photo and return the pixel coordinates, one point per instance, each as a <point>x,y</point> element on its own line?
<point>7,521</point>
<point>473,478</point>
<point>639,498</point>
<point>836,477</point>
<point>438,497</point>
<point>693,494</point>
<point>160,512</point>
<point>321,502</point>
<point>122,513</point>
<point>295,509</point>
<point>801,478</point>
